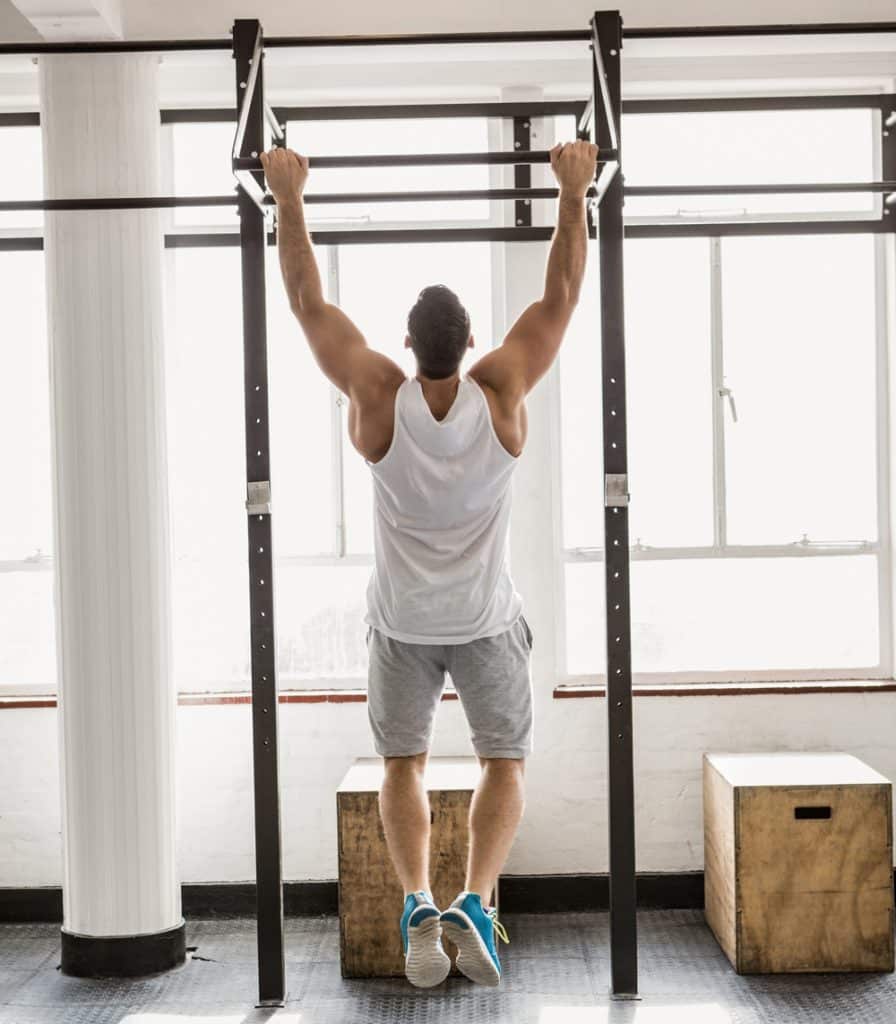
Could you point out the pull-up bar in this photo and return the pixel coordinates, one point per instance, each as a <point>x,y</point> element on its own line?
<point>533,156</point>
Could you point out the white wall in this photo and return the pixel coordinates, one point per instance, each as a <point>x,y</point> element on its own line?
<point>565,825</point>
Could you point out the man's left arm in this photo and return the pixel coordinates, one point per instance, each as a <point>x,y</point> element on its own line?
<point>339,347</point>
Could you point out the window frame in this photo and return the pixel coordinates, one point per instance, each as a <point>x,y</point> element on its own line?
<point>713,230</point>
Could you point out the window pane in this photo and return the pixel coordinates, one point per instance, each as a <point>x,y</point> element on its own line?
<point>26,524</point>
<point>300,405</point>
<point>581,426</point>
<point>207,476</point>
<point>204,357</point>
<point>738,615</point>
<point>381,313</point>
<point>201,158</point>
<point>749,148</point>
<point>320,623</point>
<point>799,330</point>
<point>27,630</point>
<point>366,137</point>
<point>669,391</point>
<point>21,173</point>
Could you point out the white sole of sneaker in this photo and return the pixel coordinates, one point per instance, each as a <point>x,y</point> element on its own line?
<point>426,963</point>
<point>473,957</point>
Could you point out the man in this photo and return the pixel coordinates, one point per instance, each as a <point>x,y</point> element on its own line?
<point>442,449</point>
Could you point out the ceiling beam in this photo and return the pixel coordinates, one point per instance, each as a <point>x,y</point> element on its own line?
<point>73,20</point>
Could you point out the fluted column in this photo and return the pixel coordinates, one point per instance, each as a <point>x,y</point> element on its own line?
<point>121,896</point>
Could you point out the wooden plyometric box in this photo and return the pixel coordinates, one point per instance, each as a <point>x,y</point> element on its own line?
<point>798,851</point>
<point>370,895</point>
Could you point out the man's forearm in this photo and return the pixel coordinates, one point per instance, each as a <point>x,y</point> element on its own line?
<point>569,249</point>
<point>297,262</point>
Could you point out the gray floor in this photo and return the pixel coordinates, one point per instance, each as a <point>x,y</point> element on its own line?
<point>555,972</point>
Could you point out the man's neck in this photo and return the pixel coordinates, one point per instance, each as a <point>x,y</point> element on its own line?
<point>443,385</point>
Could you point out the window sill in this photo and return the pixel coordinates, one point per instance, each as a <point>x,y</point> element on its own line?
<point>565,691</point>
<point>561,692</point>
<point>197,699</point>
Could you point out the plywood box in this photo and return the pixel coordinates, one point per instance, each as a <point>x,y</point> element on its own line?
<point>798,852</point>
<point>370,896</point>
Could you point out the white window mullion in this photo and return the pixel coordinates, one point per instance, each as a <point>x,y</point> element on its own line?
<point>719,518</point>
<point>337,403</point>
<point>882,424</point>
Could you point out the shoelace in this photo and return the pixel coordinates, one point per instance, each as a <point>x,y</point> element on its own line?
<point>492,915</point>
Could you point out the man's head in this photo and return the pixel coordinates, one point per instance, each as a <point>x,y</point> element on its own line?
<point>438,332</point>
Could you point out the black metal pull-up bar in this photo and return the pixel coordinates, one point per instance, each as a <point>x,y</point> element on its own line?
<point>532,156</point>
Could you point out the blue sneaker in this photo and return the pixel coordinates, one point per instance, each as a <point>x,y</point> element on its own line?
<point>472,927</point>
<point>425,961</point>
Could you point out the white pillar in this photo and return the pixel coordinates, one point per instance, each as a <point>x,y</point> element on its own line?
<point>121,896</point>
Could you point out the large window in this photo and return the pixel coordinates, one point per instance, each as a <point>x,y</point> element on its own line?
<point>754,415</point>
<point>754,398</point>
<point>322,494</point>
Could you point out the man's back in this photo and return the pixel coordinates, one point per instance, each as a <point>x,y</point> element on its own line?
<point>442,500</point>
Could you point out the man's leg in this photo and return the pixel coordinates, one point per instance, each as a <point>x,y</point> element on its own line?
<point>495,814</point>
<point>405,812</point>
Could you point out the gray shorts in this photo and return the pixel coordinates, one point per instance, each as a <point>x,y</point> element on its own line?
<point>492,679</point>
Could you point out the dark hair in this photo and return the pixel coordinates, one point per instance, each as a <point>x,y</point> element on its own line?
<point>439,329</point>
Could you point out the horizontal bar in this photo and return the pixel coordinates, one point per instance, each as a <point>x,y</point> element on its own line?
<point>198,115</point>
<point>448,38</point>
<point>378,236</point>
<point>168,202</point>
<point>795,549</point>
<point>20,119</point>
<point>719,104</point>
<point>584,111</point>
<point>115,203</point>
<point>771,227</point>
<point>532,156</point>
<point>226,239</point>
<point>704,31</point>
<point>788,189</point>
<point>24,244</point>
<point>434,195</point>
<point>437,195</point>
<point>429,110</point>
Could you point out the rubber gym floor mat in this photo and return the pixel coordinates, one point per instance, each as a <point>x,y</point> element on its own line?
<point>557,971</point>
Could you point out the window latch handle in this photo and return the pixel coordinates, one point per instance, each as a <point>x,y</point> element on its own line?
<point>726,393</point>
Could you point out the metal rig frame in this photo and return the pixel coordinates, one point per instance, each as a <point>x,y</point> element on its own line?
<point>600,113</point>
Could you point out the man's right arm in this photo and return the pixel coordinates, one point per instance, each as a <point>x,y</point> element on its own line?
<point>531,345</point>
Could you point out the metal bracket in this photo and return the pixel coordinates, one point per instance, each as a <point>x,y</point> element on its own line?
<point>258,495</point>
<point>616,490</point>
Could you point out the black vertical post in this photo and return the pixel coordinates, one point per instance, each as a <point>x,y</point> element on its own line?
<point>888,162</point>
<point>522,173</point>
<point>269,885</point>
<point>607,47</point>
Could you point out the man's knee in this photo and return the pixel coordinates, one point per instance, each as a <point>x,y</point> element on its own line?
<point>412,763</point>
<point>509,765</point>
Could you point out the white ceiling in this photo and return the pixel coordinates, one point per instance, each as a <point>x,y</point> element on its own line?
<point>194,19</point>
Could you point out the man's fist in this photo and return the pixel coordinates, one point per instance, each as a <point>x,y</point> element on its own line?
<point>286,172</point>
<point>574,164</point>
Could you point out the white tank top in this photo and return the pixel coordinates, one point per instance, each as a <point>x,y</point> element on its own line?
<point>442,497</point>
